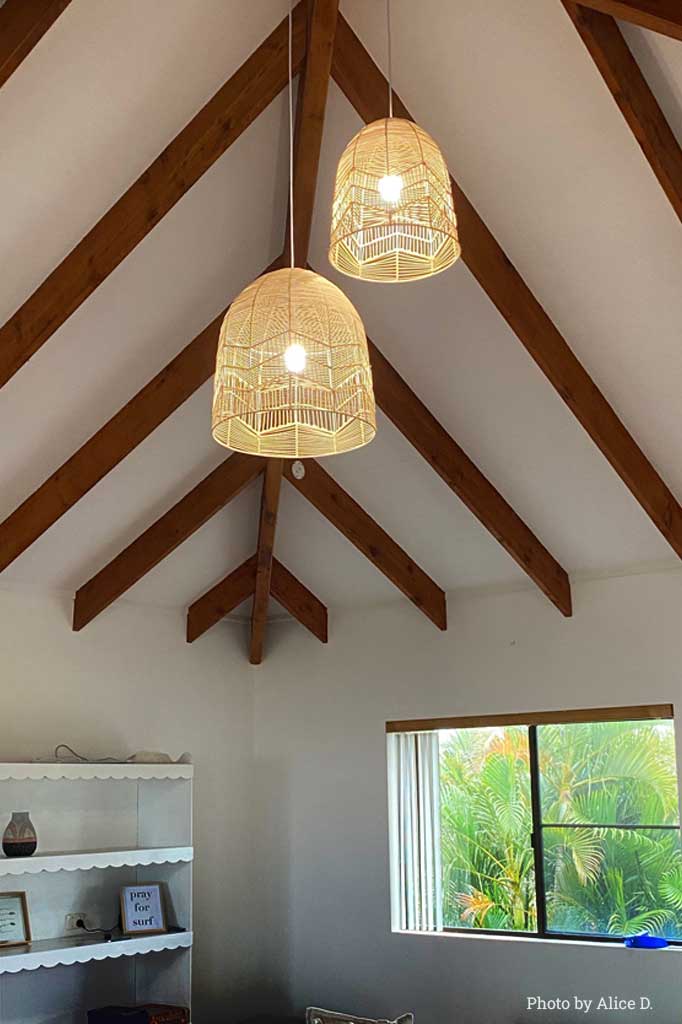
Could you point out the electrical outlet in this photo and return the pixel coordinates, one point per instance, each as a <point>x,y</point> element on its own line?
<point>71,919</point>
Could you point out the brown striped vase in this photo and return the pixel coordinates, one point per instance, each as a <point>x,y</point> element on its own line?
<point>19,838</point>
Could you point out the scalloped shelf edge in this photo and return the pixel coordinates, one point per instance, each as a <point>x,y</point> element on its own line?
<point>83,954</point>
<point>91,860</point>
<point>39,771</point>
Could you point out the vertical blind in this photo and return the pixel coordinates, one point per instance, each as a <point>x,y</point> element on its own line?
<point>414,832</point>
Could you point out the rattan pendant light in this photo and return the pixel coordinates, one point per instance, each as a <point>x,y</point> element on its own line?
<point>293,378</point>
<point>393,216</point>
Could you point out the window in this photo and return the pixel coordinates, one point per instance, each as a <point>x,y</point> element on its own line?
<point>557,825</point>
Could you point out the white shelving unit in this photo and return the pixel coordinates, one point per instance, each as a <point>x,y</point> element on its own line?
<point>100,826</point>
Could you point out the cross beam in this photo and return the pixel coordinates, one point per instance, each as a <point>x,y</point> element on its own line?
<point>236,588</point>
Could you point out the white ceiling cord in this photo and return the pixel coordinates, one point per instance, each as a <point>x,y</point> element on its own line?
<point>390,58</point>
<point>291,139</point>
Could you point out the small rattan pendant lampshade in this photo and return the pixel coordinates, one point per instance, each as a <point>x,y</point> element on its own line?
<point>293,378</point>
<point>393,216</point>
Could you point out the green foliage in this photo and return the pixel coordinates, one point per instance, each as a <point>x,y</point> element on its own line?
<point>610,773</point>
<point>598,880</point>
<point>488,876</point>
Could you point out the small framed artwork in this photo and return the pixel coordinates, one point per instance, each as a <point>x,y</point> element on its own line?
<point>142,910</point>
<point>15,925</point>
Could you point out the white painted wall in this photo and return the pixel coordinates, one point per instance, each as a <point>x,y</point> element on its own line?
<point>304,826</point>
<point>320,753</point>
<point>129,681</point>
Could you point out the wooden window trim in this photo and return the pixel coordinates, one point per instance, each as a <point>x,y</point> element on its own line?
<point>637,713</point>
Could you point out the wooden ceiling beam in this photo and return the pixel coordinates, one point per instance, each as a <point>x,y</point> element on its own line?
<point>164,536</point>
<point>110,445</point>
<point>269,507</point>
<point>664,16</point>
<point>222,599</point>
<point>630,89</point>
<point>309,127</point>
<point>200,143</point>
<point>310,111</point>
<point>412,418</point>
<point>361,530</point>
<point>236,588</point>
<point>365,87</point>
<point>147,410</point>
<point>299,601</point>
<point>23,23</point>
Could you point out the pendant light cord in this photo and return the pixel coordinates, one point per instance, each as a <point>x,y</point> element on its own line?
<point>291,139</point>
<point>390,58</point>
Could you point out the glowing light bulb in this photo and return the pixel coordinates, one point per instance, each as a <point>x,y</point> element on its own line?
<point>390,188</point>
<point>295,358</point>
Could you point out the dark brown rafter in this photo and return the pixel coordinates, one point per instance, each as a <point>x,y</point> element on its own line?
<point>312,102</point>
<point>236,588</point>
<point>453,465</point>
<point>336,505</point>
<point>420,427</point>
<point>164,536</point>
<point>299,601</point>
<point>212,494</point>
<point>637,103</point>
<point>207,136</point>
<point>310,111</point>
<point>663,16</point>
<point>23,23</point>
<point>221,599</point>
<point>365,86</point>
<point>147,410</point>
<point>269,507</point>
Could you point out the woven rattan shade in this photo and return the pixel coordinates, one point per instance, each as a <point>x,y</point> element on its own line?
<point>401,239</point>
<point>259,406</point>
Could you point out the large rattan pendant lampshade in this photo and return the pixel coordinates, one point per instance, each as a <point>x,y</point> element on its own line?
<point>293,378</point>
<point>393,216</point>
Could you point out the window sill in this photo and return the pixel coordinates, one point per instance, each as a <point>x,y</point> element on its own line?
<point>534,939</point>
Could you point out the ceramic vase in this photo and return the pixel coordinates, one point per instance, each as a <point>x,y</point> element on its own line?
<point>19,838</point>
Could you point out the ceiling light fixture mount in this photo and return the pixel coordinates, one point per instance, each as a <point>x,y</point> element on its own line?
<point>393,215</point>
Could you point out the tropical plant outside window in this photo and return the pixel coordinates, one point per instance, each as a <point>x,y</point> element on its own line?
<point>566,829</point>
<point>486,829</point>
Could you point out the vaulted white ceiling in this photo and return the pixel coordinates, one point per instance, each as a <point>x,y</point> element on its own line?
<point>536,141</point>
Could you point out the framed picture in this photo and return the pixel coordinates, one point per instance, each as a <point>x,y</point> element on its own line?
<point>142,910</point>
<point>15,925</point>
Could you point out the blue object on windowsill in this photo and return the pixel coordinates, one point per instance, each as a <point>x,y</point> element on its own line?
<point>645,941</point>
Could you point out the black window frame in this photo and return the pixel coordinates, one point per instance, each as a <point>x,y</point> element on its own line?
<point>537,826</point>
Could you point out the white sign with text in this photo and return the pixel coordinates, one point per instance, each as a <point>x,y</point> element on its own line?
<point>142,909</point>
